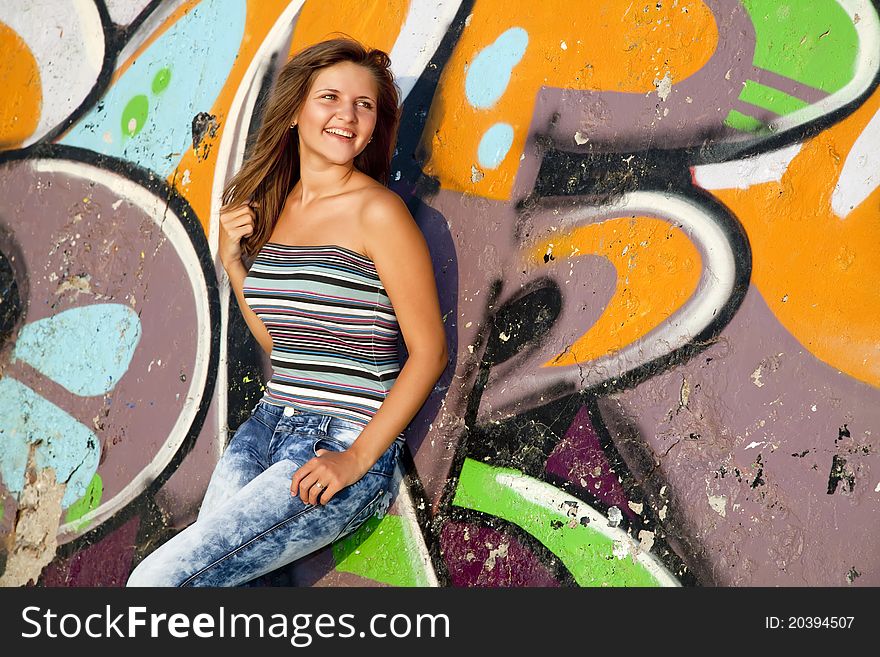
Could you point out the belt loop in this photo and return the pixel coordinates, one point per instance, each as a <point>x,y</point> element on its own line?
<point>325,423</point>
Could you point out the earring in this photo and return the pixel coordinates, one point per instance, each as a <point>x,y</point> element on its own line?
<point>293,125</point>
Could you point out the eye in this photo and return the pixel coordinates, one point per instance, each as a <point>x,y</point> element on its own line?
<point>367,104</point>
<point>329,96</point>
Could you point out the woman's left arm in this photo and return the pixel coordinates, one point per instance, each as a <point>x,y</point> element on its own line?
<point>397,247</point>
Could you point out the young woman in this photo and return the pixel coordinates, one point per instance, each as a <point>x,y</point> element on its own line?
<point>340,267</point>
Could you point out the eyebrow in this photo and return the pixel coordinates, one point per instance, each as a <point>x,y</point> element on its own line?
<point>337,91</point>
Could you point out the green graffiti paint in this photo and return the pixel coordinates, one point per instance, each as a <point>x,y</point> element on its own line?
<point>381,551</point>
<point>161,80</point>
<point>811,42</point>
<point>88,502</point>
<point>586,552</point>
<point>740,121</point>
<point>134,116</point>
<point>770,99</point>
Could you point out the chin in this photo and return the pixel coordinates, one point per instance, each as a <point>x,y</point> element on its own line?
<point>335,159</point>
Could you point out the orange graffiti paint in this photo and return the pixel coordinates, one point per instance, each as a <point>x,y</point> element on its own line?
<point>819,273</point>
<point>658,269</point>
<point>375,24</point>
<point>618,46</point>
<point>23,95</point>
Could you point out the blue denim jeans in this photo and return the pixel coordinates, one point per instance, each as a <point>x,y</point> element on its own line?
<point>249,524</point>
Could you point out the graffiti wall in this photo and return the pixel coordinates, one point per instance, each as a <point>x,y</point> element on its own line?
<point>655,232</point>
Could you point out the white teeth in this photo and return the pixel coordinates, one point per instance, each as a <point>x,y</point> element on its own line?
<point>343,133</point>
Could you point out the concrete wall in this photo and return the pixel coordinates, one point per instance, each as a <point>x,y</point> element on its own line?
<point>654,227</point>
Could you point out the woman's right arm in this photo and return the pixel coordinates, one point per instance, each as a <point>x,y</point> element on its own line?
<point>236,223</point>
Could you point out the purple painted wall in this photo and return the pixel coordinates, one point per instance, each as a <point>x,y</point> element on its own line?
<point>653,228</point>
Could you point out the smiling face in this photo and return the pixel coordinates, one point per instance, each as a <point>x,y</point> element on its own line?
<point>339,114</point>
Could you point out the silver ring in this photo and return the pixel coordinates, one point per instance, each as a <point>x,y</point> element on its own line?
<point>318,485</point>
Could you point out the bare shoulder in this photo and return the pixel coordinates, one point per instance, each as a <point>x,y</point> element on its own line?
<point>385,218</point>
<point>380,202</point>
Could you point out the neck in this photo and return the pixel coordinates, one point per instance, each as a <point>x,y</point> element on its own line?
<point>321,179</point>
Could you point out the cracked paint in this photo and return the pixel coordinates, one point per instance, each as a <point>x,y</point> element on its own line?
<point>32,543</point>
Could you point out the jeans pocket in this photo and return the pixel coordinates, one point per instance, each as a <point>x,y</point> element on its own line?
<point>264,418</point>
<point>377,505</point>
<point>325,442</point>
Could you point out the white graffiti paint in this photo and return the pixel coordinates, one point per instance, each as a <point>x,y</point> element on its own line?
<point>147,29</point>
<point>67,42</point>
<point>742,174</point>
<point>867,27</point>
<point>861,171</point>
<point>426,23</point>
<point>522,381</point>
<point>553,499</point>
<point>123,12</point>
<point>174,231</point>
<point>414,539</point>
<point>230,154</point>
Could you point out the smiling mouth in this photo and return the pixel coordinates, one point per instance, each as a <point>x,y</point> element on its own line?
<point>347,136</point>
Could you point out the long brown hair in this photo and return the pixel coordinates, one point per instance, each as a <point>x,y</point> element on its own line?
<point>271,168</point>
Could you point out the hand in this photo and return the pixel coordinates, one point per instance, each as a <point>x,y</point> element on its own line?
<point>235,223</point>
<point>333,470</point>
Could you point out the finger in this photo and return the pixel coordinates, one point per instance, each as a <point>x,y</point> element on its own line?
<point>240,217</point>
<point>317,489</point>
<point>244,222</point>
<point>233,223</point>
<point>231,212</point>
<point>301,472</point>
<point>239,231</point>
<point>323,481</point>
<point>314,493</point>
<point>328,493</point>
<point>306,486</point>
<point>322,451</point>
<point>305,483</point>
<point>294,485</point>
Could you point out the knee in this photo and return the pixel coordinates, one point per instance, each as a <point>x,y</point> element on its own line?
<point>151,572</point>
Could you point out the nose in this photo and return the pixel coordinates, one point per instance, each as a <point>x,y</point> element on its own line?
<point>346,113</point>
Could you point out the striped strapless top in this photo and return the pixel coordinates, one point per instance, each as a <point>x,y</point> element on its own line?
<point>334,332</point>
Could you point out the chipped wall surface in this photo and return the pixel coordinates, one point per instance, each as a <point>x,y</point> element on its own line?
<point>654,227</point>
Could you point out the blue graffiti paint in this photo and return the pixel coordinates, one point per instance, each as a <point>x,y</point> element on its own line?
<point>86,349</point>
<point>60,442</point>
<point>200,49</point>
<point>494,145</point>
<point>489,74</point>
